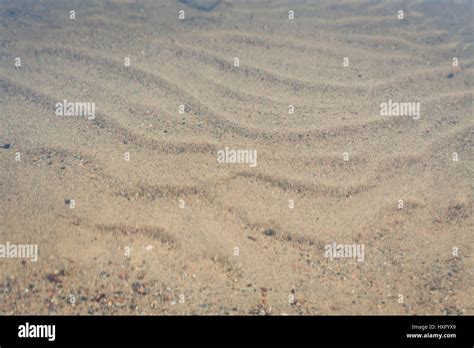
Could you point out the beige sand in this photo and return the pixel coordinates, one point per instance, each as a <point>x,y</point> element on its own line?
<point>183,260</point>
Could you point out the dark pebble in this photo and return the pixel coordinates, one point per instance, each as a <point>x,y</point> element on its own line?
<point>7,146</point>
<point>53,278</point>
<point>67,201</point>
<point>450,75</point>
<point>139,288</point>
<point>269,232</point>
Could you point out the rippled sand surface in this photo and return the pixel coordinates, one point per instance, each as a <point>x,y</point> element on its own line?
<point>159,226</point>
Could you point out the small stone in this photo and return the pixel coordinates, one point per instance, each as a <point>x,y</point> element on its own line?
<point>53,278</point>
<point>269,232</point>
<point>123,275</point>
<point>7,146</point>
<point>139,288</point>
<point>450,75</point>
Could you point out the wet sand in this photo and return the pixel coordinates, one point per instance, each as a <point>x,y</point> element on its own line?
<point>159,226</point>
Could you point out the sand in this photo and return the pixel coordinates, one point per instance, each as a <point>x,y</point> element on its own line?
<point>132,212</point>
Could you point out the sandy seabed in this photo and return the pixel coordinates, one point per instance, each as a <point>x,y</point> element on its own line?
<point>132,212</point>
